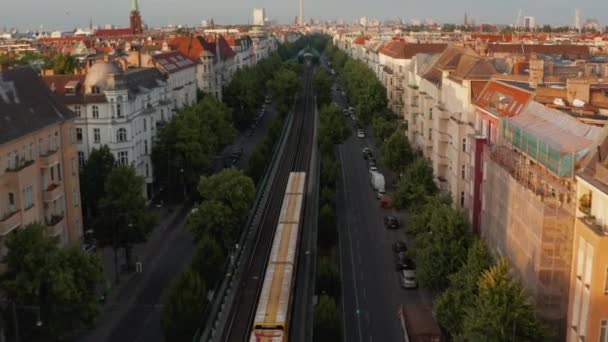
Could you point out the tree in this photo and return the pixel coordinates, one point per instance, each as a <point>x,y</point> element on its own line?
<point>209,260</point>
<point>322,85</point>
<point>415,186</point>
<point>62,64</point>
<point>326,322</point>
<point>328,233</point>
<point>329,171</point>
<point>396,152</point>
<point>61,282</point>
<point>328,277</point>
<point>443,250</point>
<point>217,219</point>
<point>124,220</point>
<point>450,305</point>
<point>245,94</point>
<point>501,310</point>
<point>383,128</point>
<point>232,188</point>
<point>93,178</point>
<point>283,88</point>
<point>333,125</point>
<point>184,307</point>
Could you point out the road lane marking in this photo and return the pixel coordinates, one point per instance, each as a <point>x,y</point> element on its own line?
<point>350,245</point>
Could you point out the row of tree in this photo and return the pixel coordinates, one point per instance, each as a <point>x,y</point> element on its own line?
<point>60,63</point>
<point>189,143</point>
<point>216,223</point>
<point>363,89</point>
<point>333,130</point>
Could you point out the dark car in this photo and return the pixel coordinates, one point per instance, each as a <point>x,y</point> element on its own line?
<point>399,246</point>
<point>367,152</point>
<point>391,222</point>
<point>371,161</point>
<point>403,262</point>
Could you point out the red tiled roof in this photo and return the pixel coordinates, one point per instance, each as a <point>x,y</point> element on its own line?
<point>62,39</point>
<point>226,51</point>
<point>360,40</point>
<point>492,37</point>
<point>502,99</point>
<point>113,32</point>
<point>172,61</point>
<point>401,50</point>
<point>578,51</point>
<point>191,46</point>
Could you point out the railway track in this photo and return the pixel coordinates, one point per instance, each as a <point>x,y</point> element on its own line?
<point>296,157</point>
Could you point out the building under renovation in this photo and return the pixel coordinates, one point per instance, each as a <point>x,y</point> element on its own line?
<point>529,200</point>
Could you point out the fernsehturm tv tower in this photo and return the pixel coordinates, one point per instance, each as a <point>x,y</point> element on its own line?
<point>301,19</point>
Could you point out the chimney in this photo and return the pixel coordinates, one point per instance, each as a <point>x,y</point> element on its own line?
<point>578,88</point>
<point>537,71</point>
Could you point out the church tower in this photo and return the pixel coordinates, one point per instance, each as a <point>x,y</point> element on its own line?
<point>136,26</point>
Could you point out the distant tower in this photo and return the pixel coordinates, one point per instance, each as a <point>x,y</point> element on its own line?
<point>301,18</point>
<point>577,19</point>
<point>466,20</point>
<point>136,27</point>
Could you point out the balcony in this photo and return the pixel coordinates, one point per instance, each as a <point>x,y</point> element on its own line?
<point>56,224</point>
<point>9,222</point>
<point>592,224</point>
<point>20,165</point>
<point>52,192</point>
<point>49,158</point>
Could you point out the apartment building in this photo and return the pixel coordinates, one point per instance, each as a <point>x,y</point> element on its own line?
<point>528,196</point>
<point>588,301</point>
<point>118,108</point>
<point>38,161</point>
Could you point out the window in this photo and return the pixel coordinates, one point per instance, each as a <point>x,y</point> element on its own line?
<point>79,135</point>
<point>81,158</point>
<point>96,135</point>
<point>11,202</point>
<point>77,110</point>
<point>52,174</point>
<point>28,198</point>
<point>59,176</point>
<point>95,112</point>
<point>41,146</point>
<point>430,113</point>
<point>121,135</point>
<point>31,152</point>
<point>24,153</point>
<point>604,330</point>
<point>73,166</point>
<point>162,115</point>
<point>430,133</point>
<point>118,110</point>
<point>95,90</point>
<point>75,198</point>
<point>145,125</point>
<point>146,147</point>
<point>147,171</point>
<point>123,158</point>
<point>462,199</point>
<point>463,171</point>
<point>464,145</point>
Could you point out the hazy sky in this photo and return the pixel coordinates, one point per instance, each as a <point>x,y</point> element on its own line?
<point>67,14</point>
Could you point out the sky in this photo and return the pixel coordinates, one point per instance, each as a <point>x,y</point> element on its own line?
<point>69,14</point>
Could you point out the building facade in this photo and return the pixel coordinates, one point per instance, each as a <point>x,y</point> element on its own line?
<point>38,159</point>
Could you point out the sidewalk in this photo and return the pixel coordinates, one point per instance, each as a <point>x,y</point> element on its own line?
<point>141,252</point>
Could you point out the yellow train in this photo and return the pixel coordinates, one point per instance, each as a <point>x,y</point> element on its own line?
<point>274,305</point>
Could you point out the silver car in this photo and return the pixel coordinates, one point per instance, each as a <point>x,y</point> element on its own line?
<point>407,279</point>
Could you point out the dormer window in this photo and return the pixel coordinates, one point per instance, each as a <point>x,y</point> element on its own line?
<point>95,90</point>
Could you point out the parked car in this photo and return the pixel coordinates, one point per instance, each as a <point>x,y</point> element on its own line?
<point>372,161</point>
<point>391,222</point>
<point>373,169</point>
<point>399,246</point>
<point>360,133</point>
<point>367,153</point>
<point>407,279</point>
<point>403,262</point>
<point>345,112</point>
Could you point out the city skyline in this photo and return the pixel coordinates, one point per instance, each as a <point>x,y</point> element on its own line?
<point>66,15</point>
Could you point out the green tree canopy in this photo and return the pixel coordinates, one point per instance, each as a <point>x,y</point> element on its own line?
<point>396,152</point>
<point>443,250</point>
<point>283,88</point>
<point>184,307</point>
<point>62,282</point>
<point>93,178</point>
<point>450,305</point>
<point>124,220</point>
<point>328,277</point>
<point>322,85</point>
<point>209,260</point>
<point>327,322</point>
<point>333,126</point>
<point>383,128</point>
<point>501,310</point>
<point>232,188</point>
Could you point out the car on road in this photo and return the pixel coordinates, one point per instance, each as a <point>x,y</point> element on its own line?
<point>367,153</point>
<point>399,246</point>
<point>391,222</point>
<point>373,169</point>
<point>407,279</point>
<point>352,117</point>
<point>403,262</point>
<point>371,161</point>
<point>360,133</point>
<point>345,112</point>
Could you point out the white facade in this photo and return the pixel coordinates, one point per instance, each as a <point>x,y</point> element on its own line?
<point>259,16</point>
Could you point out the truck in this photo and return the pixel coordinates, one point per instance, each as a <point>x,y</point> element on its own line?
<point>418,324</point>
<point>378,183</point>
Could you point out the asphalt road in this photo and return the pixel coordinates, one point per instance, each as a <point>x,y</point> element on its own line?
<point>133,315</point>
<point>371,293</point>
